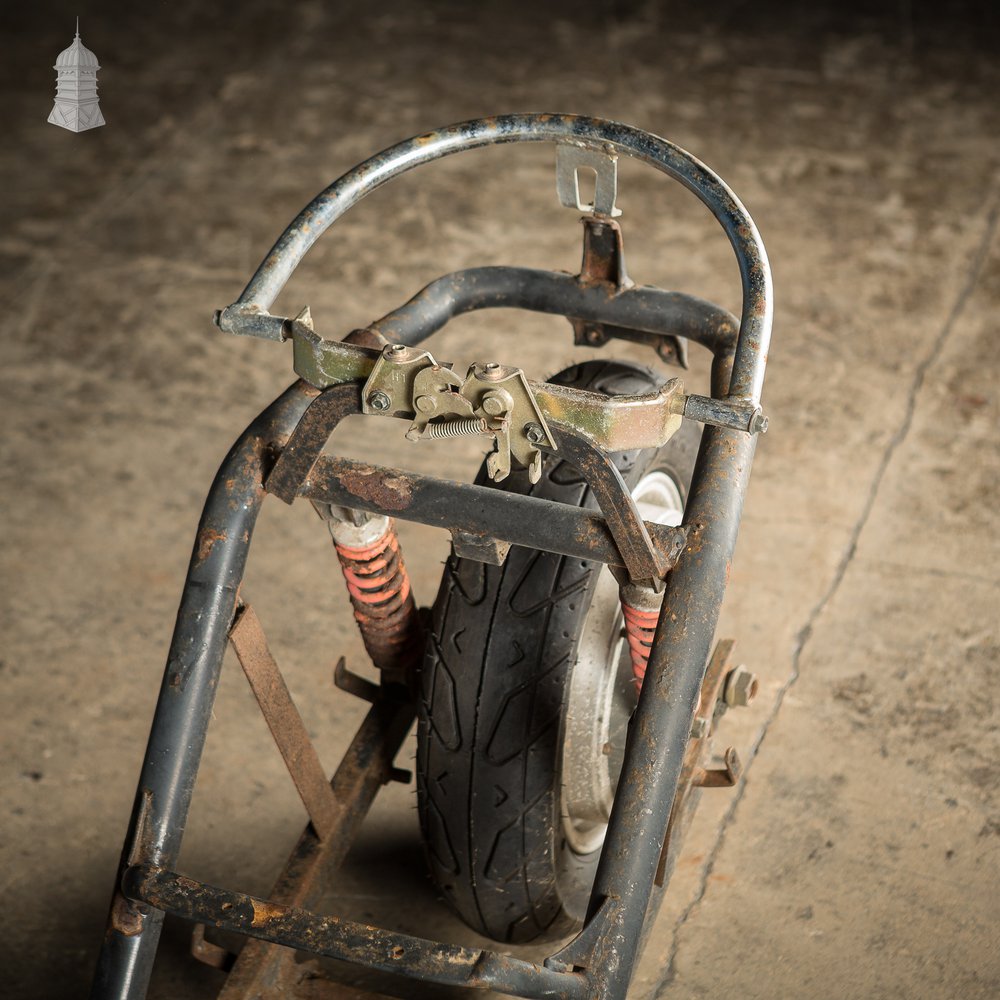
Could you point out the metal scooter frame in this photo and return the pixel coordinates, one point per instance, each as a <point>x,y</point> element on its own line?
<point>279,452</point>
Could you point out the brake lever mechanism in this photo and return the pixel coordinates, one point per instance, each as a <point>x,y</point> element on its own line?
<point>491,399</point>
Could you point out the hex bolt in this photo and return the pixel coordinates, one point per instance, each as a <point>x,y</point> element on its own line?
<point>496,403</point>
<point>379,401</point>
<point>699,728</point>
<point>741,687</point>
<point>425,404</point>
<point>534,433</point>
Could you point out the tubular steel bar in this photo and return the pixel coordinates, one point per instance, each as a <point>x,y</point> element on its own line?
<point>661,725</point>
<point>333,937</point>
<point>428,500</point>
<point>480,510</point>
<point>249,316</point>
<point>190,678</point>
<point>598,964</point>
<point>644,308</point>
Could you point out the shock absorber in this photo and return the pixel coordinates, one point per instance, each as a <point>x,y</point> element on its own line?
<point>379,587</point>
<point>641,611</point>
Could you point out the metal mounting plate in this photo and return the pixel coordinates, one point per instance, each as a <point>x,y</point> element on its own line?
<point>570,160</point>
<point>492,399</point>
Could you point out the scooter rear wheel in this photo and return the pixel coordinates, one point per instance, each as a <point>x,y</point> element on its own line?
<point>526,695</point>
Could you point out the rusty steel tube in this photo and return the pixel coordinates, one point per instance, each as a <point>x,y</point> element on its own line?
<point>187,694</point>
<point>248,316</point>
<point>660,728</point>
<point>637,307</point>
<point>347,940</point>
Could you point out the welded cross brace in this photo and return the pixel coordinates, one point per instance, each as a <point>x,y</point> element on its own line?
<point>283,719</point>
<point>335,808</point>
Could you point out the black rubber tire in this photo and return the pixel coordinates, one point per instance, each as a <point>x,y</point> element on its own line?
<point>494,681</point>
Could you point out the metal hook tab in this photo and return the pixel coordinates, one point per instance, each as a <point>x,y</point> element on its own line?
<point>570,160</point>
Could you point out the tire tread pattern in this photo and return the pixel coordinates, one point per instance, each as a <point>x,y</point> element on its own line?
<point>492,690</point>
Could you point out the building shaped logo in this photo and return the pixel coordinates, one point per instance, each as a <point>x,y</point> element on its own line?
<point>76,106</point>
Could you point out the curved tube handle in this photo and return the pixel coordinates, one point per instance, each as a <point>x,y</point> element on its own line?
<point>248,316</point>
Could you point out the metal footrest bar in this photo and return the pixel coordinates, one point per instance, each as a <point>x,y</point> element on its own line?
<point>333,937</point>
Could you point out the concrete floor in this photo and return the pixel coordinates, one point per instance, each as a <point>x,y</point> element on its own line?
<point>861,855</point>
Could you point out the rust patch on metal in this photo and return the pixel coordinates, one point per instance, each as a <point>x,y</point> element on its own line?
<point>366,338</point>
<point>264,912</point>
<point>207,538</point>
<point>126,918</point>
<point>303,448</point>
<point>369,483</point>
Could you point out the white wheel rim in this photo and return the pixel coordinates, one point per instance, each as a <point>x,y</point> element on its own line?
<point>602,694</point>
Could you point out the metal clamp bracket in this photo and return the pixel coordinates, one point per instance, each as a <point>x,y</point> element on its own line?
<point>492,399</point>
<point>603,266</point>
<point>615,424</point>
<point>570,160</point>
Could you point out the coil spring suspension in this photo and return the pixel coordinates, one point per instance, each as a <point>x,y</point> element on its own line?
<point>384,609</point>
<point>639,628</point>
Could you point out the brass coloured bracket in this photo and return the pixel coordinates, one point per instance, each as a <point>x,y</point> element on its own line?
<point>616,423</point>
<point>491,399</point>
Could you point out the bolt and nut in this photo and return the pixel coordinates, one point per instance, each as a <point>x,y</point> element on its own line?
<point>379,401</point>
<point>699,728</point>
<point>741,687</point>
<point>534,433</point>
<point>497,402</point>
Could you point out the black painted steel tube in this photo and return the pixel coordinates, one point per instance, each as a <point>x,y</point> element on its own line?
<point>533,522</point>
<point>348,940</point>
<point>187,694</point>
<point>661,725</point>
<point>642,307</point>
<point>686,627</point>
<point>249,316</point>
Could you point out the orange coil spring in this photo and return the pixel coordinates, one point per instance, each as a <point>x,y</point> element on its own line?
<point>383,605</point>
<point>639,629</point>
